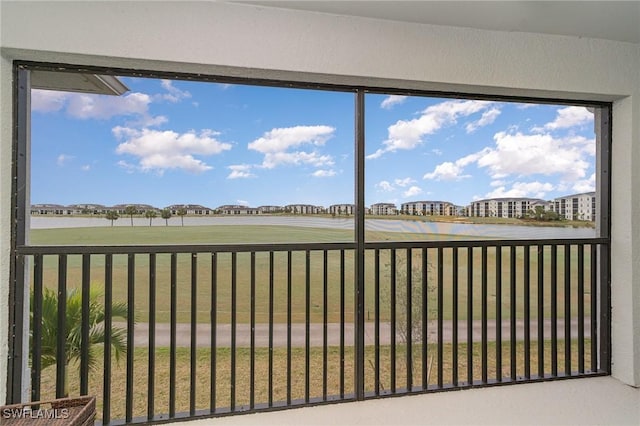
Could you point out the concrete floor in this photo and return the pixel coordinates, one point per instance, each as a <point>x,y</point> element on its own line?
<point>588,401</point>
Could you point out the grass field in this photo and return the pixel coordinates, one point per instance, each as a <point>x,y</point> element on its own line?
<point>275,234</point>
<point>242,388</point>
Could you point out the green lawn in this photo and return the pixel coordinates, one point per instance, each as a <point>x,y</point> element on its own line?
<point>242,388</point>
<point>275,234</point>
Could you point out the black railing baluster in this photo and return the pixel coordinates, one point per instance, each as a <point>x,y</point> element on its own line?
<point>512,314</point>
<point>234,327</point>
<point>213,315</point>
<point>454,319</point>
<point>593,292</point>
<point>376,291</point>
<point>61,374</point>
<point>485,317</point>
<point>554,310</point>
<point>252,333</point>
<point>499,314</point>
<point>541,311</point>
<point>527,312</point>
<point>307,327</point>
<point>581,309</point>
<point>409,325</point>
<point>36,327</point>
<point>325,316</point>
<point>131,312</point>
<point>194,333</point>
<point>393,320</point>
<point>84,329</point>
<point>470,316</point>
<point>440,317</point>
<point>342,321</point>
<point>289,303</point>
<point>271,301</point>
<point>425,318</point>
<point>172,332</point>
<point>567,310</point>
<point>151,371</point>
<point>108,304</point>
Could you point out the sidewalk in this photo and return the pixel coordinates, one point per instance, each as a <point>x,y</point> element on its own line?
<point>298,333</point>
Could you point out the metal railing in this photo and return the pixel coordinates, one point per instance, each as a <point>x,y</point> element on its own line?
<point>218,330</point>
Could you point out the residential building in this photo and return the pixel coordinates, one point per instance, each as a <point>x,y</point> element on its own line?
<point>140,208</point>
<point>50,209</point>
<point>428,208</point>
<point>270,209</point>
<point>192,209</point>
<point>383,209</point>
<point>504,207</point>
<point>342,209</point>
<point>236,209</point>
<point>303,209</point>
<point>576,207</point>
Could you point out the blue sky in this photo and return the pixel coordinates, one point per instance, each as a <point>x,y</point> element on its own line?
<point>173,142</point>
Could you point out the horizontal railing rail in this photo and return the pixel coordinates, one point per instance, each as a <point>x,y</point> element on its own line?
<point>182,331</point>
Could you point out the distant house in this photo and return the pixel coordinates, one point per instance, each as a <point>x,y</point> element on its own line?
<point>236,209</point>
<point>140,208</point>
<point>50,209</point>
<point>504,207</point>
<point>429,208</point>
<point>576,206</point>
<point>192,209</point>
<point>88,209</point>
<point>270,209</point>
<point>342,209</point>
<point>383,209</point>
<point>303,209</point>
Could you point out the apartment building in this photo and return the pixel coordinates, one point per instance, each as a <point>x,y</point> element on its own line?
<point>428,208</point>
<point>384,209</point>
<point>576,206</point>
<point>342,209</point>
<point>504,207</point>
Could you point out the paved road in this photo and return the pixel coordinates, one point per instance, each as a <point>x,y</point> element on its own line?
<point>298,333</point>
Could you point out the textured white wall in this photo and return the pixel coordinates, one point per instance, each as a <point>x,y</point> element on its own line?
<point>248,41</point>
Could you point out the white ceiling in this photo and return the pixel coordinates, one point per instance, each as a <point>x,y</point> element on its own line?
<point>611,20</point>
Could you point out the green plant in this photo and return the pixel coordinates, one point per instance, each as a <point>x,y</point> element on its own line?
<point>73,327</point>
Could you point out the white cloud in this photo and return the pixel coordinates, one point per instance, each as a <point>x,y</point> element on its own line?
<point>446,171</point>
<point>242,202</point>
<point>414,190</point>
<point>174,94</point>
<point>384,186</point>
<point>585,185</point>
<point>275,159</point>
<point>452,171</point>
<point>488,117</point>
<point>522,189</point>
<point>404,182</point>
<point>522,155</point>
<point>281,146</point>
<point>281,139</point>
<point>570,117</point>
<point>161,150</point>
<point>392,100</point>
<point>324,173</point>
<point>63,159</point>
<point>103,107</point>
<point>240,171</point>
<point>408,134</point>
<point>85,168</point>
<point>48,100</point>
